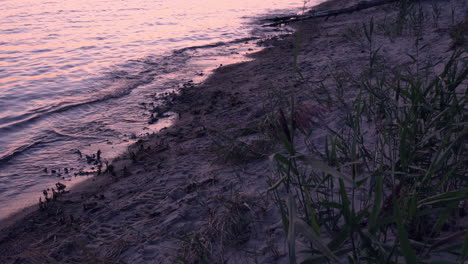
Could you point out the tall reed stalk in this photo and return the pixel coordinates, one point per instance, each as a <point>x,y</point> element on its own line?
<point>382,199</point>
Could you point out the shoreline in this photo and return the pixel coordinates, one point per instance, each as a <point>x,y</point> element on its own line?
<point>88,186</point>
<point>243,46</point>
<point>95,184</point>
<point>108,114</point>
<point>193,178</point>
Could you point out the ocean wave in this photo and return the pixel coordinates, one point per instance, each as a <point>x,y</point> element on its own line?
<point>48,136</point>
<point>119,89</point>
<point>68,135</point>
<point>120,83</point>
<point>217,44</point>
<point>14,152</point>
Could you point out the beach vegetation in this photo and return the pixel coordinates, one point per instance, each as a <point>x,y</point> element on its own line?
<point>229,227</point>
<point>240,149</point>
<point>389,185</point>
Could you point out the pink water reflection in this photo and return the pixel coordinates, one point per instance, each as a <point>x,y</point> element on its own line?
<point>56,52</point>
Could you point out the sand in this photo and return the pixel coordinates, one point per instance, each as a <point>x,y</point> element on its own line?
<point>191,193</point>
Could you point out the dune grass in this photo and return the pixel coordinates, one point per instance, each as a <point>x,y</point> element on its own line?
<point>399,195</point>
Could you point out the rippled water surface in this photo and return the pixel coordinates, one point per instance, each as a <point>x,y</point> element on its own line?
<point>78,74</point>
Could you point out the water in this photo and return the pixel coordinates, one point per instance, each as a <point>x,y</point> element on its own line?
<point>76,74</point>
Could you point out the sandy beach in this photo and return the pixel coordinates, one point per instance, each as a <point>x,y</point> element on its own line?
<point>197,192</point>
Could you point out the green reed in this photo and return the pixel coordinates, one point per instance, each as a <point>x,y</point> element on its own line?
<point>387,198</point>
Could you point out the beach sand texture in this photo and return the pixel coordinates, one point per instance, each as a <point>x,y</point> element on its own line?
<point>191,188</point>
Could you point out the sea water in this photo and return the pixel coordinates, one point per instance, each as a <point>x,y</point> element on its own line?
<point>76,76</point>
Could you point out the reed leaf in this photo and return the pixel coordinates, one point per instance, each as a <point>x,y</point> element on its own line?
<point>452,196</point>
<point>310,234</point>
<point>377,203</point>
<point>405,246</point>
<point>464,252</point>
<point>322,166</point>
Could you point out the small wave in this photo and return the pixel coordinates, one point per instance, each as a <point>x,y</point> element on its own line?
<point>215,45</point>
<point>41,50</point>
<point>122,83</point>
<point>87,47</point>
<point>116,91</point>
<point>64,134</point>
<point>9,155</point>
<point>49,136</point>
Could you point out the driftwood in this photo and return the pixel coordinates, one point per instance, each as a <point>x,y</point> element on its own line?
<point>360,6</point>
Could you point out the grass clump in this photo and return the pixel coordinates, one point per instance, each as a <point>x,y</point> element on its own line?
<point>390,197</point>
<point>391,185</point>
<point>229,226</point>
<point>233,149</point>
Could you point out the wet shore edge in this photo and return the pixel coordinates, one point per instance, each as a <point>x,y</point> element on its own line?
<point>95,183</point>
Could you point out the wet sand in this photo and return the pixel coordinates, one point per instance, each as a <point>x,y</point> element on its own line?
<point>192,187</point>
